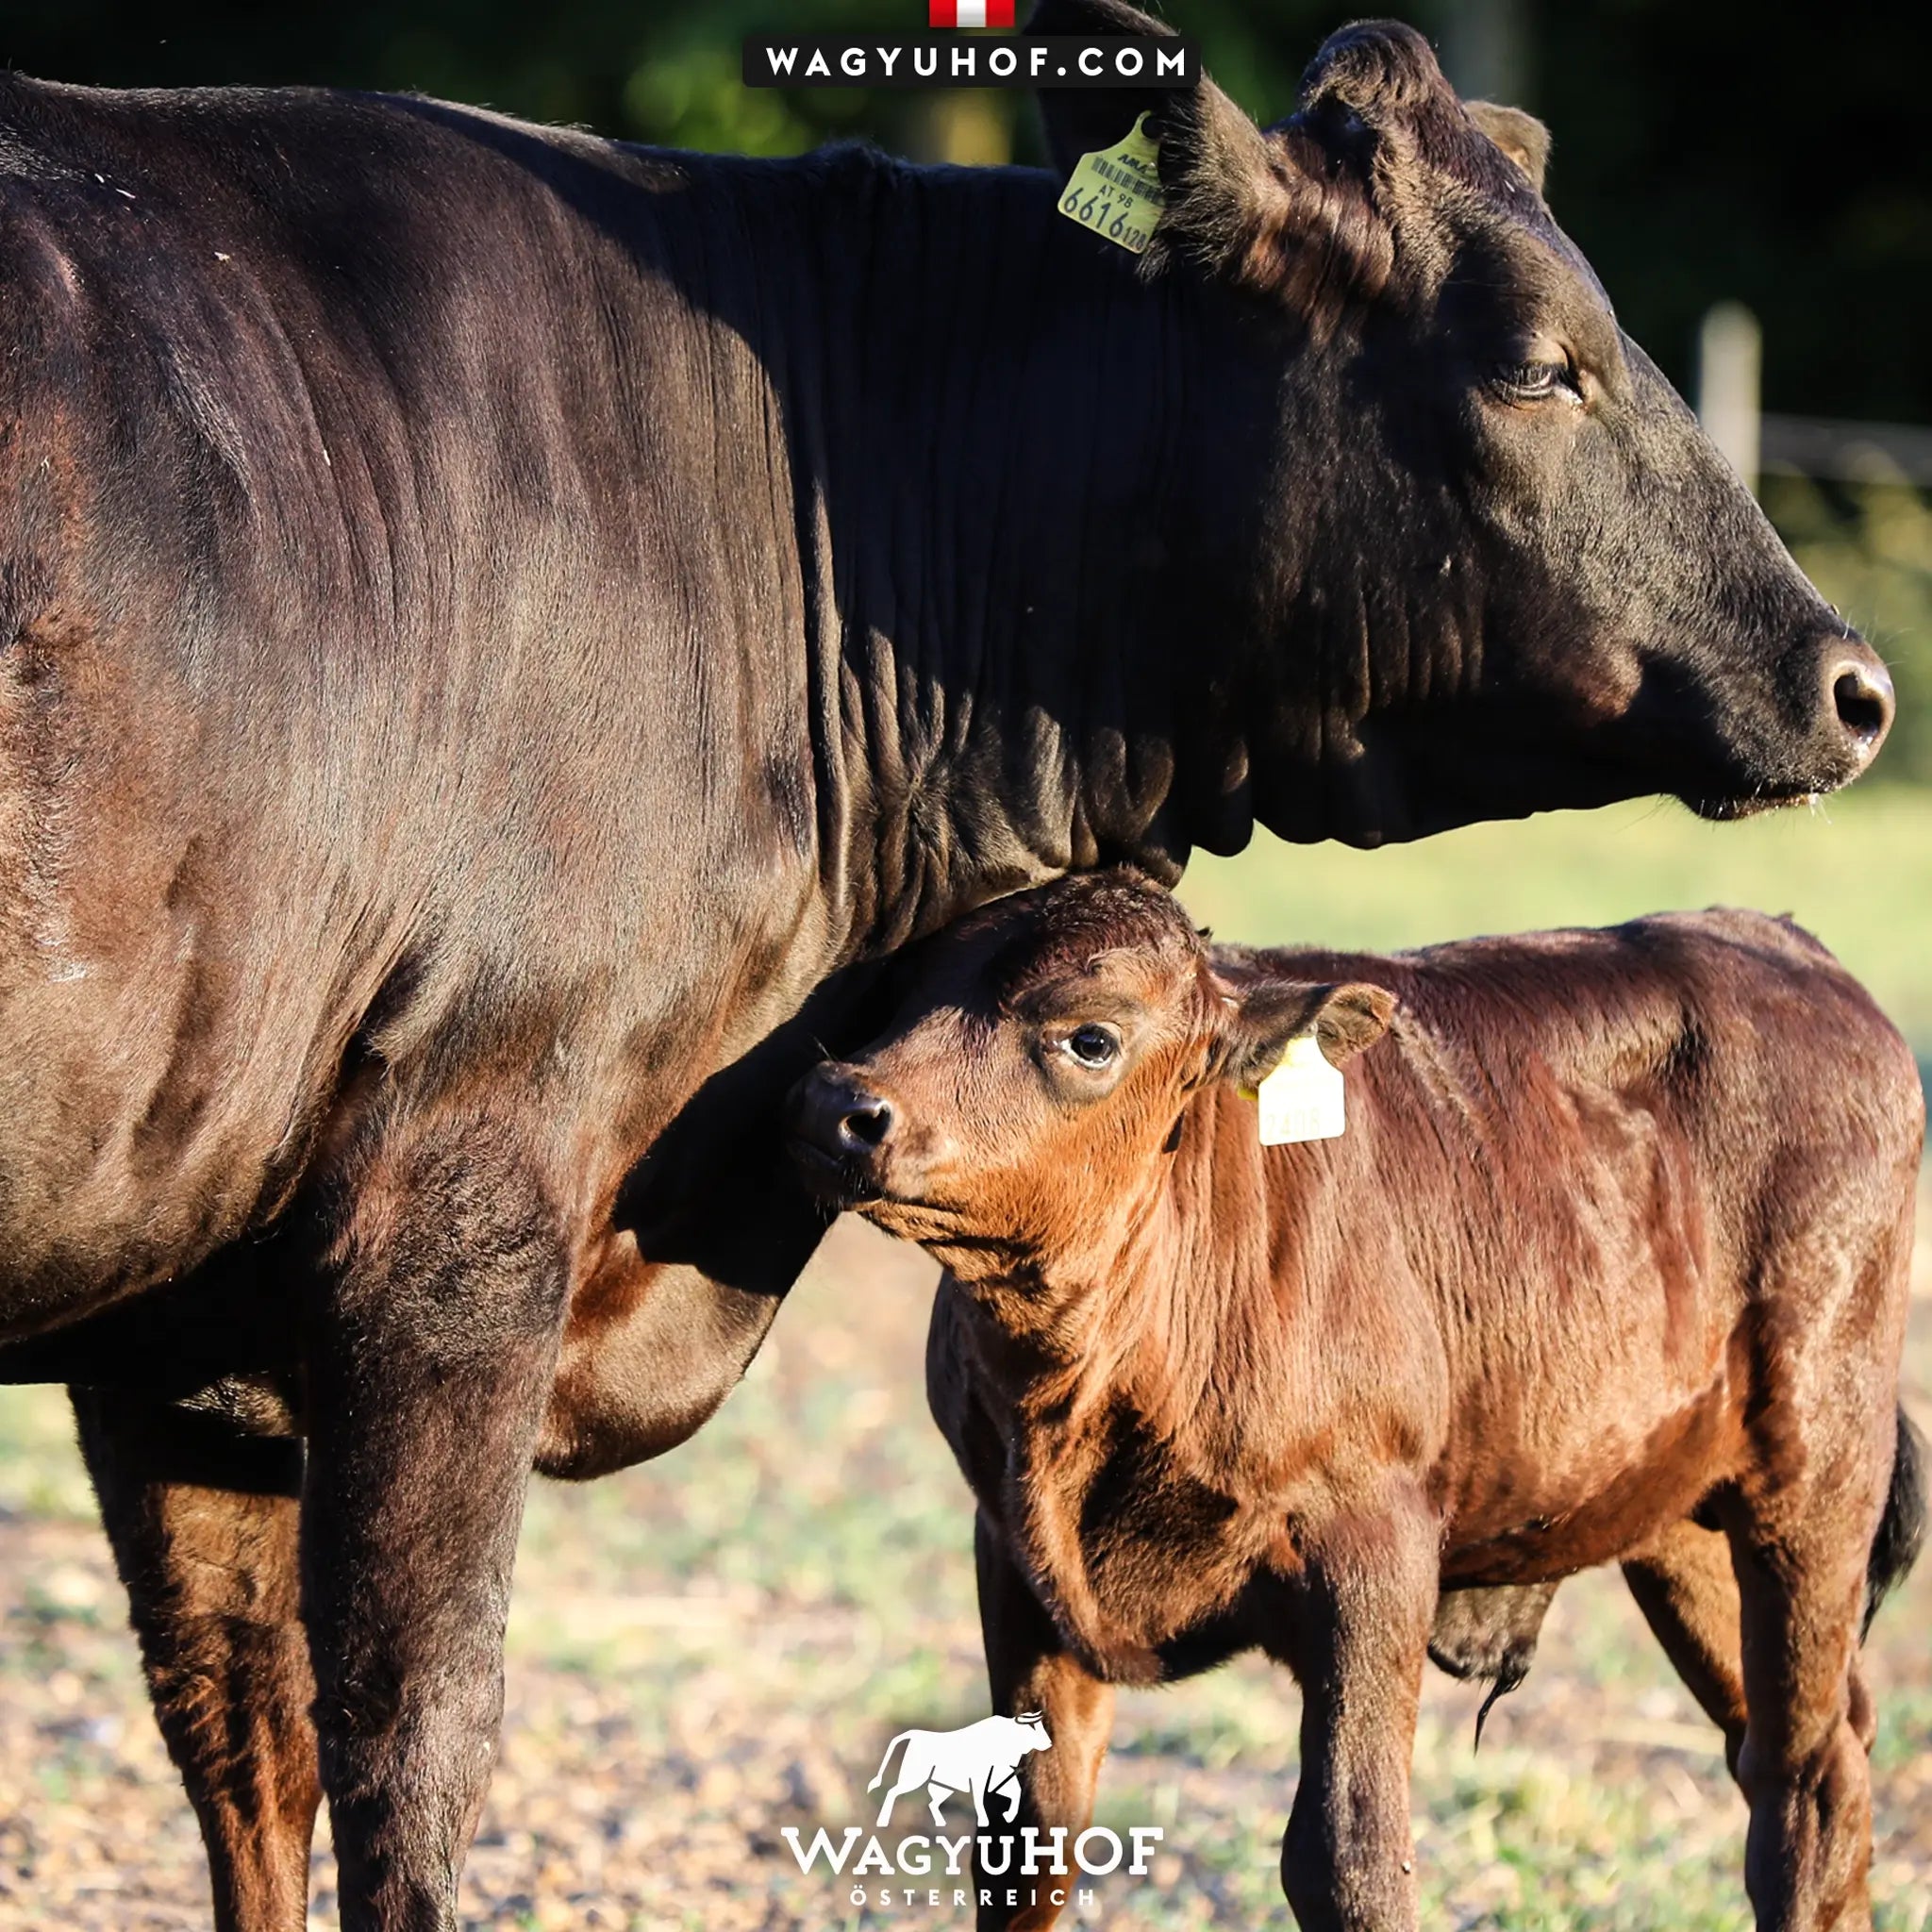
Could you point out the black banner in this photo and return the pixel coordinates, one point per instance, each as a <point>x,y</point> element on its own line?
<point>954,60</point>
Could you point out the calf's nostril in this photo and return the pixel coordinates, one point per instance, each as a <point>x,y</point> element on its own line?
<point>1861,694</point>
<point>867,1125</point>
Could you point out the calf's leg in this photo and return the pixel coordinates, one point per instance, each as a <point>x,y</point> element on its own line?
<point>203,1521</point>
<point>1686,1587</point>
<point>1362,1617</point>
<point>1803,1766</point>
<point>434,1341</point>
<point>1028,1668</point>
<point>1797,1720</point>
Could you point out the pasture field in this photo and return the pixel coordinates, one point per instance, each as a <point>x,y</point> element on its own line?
<point>715,1647</point>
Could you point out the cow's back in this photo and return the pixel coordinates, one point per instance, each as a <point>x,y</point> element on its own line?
<point>1736,1027</point>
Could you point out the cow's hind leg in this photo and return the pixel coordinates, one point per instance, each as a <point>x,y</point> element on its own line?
<point>1687,1587</point>
<point>433,1344</point>
<point>203,1521</point>
<point>1800,1545</point>
<point>1028,1668</point>
<point>1803,1761</point>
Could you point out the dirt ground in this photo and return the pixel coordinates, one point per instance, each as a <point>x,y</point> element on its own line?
<point>717,1647</point>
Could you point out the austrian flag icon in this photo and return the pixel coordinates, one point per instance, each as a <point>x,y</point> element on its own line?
<point>969,12</point>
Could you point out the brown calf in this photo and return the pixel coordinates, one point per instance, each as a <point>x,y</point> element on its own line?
<point>1610,1264</point>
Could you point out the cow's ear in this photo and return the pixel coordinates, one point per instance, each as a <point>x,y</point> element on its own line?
<point>1223,186</point>
<point>1079,121</point>
<point>1267,1013</point>
<point>1289,214</point>
<point>1520,136</point>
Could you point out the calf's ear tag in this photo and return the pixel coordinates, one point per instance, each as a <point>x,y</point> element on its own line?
<point>1300,1100</point>
<point>1116,191</point>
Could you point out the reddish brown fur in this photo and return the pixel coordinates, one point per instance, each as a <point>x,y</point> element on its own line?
<point>1609,1266</point>
<point>211,1568</point>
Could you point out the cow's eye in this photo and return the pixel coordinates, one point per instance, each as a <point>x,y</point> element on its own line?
<point>1093,1046</point>
<point>1532,382</point>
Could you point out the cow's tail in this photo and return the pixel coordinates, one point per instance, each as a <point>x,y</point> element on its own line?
<point>886,1759</point>
<point>1901,1529</point>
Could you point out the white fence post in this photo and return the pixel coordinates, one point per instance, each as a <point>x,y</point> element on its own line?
<point>1729,355</point>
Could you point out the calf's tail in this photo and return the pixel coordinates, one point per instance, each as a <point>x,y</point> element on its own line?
<point>904,1735</point>
<point>1901,1529</point>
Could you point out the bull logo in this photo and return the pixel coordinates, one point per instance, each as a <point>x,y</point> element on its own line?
<point>980,1759</point>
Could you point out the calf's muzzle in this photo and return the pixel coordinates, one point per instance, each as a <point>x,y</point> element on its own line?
<point>842,1134</point>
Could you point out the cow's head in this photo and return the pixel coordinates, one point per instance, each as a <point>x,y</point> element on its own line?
<point>1019,1112</point>
<point>1497,566</point>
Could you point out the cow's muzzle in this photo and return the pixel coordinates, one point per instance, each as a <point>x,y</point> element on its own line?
<point>1861,699</point>
<point>1843,691</point>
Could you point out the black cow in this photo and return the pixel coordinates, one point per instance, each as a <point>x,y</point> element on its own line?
<point>501,629</point>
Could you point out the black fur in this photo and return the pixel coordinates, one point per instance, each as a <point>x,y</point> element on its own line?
<point>1901,1529</point>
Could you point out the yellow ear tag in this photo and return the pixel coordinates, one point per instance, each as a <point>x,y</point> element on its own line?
<point>1117,190</point>
<point>1300,1100</point>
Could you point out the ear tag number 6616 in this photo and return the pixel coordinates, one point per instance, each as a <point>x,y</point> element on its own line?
<point>1116,191</point>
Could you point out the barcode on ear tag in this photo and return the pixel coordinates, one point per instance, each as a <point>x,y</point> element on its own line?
<point>1300,1100</point>
<point>1116,191</point>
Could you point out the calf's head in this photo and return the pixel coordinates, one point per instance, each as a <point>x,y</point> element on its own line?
<point>1020,1110</point>
<point>1494,565</point>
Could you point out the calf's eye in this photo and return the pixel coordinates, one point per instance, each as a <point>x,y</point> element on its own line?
<point>1093,1046</point>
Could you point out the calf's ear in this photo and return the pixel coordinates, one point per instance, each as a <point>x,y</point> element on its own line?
<point>1267,1013</point>
<point>1520,136</point>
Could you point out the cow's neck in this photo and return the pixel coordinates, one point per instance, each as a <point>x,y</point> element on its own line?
<point>1015,587</point>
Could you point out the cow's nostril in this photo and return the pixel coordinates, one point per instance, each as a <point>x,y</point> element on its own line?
<point>1862,696</point>
<point>867,1124</point>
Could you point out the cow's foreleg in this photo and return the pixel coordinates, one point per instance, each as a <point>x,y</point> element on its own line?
<point>433,1344</point>
<point>1365,1604</point>
<point>1028,1668</point>
<point>203,1522</point>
